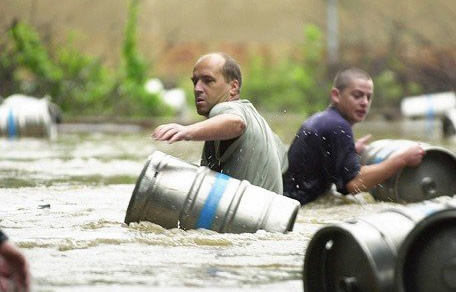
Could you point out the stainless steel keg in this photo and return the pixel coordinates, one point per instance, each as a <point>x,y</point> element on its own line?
<point>176,194</point>
<point>427,258</point>
<point>359,255</point>
<point>434,177</point>
<point>23,116</point>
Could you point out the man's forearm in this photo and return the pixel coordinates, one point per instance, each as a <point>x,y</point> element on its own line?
<point>221,127</point>
<point>371,175</point>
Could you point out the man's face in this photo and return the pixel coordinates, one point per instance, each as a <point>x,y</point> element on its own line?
<point>355,100</point>
<point>209,85</point>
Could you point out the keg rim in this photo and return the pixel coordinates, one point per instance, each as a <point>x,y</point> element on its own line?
<point>324,234</point>
<point>409,245</point>
<point>130,215</point>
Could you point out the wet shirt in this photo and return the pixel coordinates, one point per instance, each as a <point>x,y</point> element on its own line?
<point>257,156</point>
<point>321,154</point>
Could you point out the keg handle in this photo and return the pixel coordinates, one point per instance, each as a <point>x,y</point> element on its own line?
<point>347,284</point>
<point>428,186</point>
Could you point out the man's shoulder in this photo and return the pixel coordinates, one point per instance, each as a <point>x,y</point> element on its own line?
<point>327,121</point>
<point>241,107</point>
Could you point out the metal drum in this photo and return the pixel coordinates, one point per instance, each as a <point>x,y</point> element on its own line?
<point>427,258</point>
<point>434,177</point>
<point>23,116</point>
<point>449,123</point>
<point>177,194</point>
<point>359,255</point>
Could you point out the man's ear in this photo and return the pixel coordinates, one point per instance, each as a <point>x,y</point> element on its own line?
<point>335,96</point>
<point>234,90</point>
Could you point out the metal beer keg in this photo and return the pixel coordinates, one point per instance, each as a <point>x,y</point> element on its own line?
<point>434,177</point>
<point>173,193</point>
<point>23,116</point>
<point>359,255</point>
<point>427,258</point>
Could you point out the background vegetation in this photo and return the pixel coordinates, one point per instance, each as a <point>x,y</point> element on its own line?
<point>298,81</point>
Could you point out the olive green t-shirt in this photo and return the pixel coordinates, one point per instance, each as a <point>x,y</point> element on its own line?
<point>257,156</point>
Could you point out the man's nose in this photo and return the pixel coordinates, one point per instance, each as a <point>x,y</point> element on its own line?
<point>197,86</point>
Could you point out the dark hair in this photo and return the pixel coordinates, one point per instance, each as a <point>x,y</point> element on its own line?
<point>345,76</point>
<point>231,69</point>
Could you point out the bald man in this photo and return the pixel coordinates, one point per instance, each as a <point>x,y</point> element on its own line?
<point>239,142</point>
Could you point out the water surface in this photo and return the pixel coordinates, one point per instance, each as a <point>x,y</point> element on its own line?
<point>64,203</point>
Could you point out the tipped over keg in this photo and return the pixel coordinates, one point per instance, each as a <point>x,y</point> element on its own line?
<point>176,194</point>
<point>435,176</point>
<point>25,116</point>
<point>427,258</point>
<point>360,255</point>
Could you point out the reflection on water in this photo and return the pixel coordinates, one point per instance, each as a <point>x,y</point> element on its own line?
<point>64,204</point>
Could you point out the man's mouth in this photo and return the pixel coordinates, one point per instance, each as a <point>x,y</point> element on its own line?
<point>361,112</point>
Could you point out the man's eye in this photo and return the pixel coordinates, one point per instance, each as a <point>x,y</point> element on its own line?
<point>357,94</point>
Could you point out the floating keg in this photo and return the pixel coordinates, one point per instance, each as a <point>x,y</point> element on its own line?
<point>174,193</point>
<point>23,116</point>
<point>435,176</point>
<point>427,258</point>
<point>449,123</point>
<point>427,105</point>
<point>360,254</point>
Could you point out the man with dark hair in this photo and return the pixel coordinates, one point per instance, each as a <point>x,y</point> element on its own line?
<point>239,142</point>
<point>13,267</point>
<point>324,153</point>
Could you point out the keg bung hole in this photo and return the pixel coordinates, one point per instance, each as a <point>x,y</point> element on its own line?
<point>428,186</point>
<point>329,244</point>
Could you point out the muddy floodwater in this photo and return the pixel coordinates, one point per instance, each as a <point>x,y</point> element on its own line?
<point>64,202</point>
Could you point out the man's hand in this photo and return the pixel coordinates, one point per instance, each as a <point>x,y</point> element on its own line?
<point>171,133</point>
<point>13,265</point>
<point>411,156</point>
<point>361,143</point>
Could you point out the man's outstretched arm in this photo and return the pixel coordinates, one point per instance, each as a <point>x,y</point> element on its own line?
<point>220,127</point>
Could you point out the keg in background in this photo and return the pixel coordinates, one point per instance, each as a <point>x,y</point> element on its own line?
<point>434,177</point>
<point>174,193</point>
<point>427,258</point>
<point>427,105</point>
<point>449,123</point>
<point>24,116</point>
<point>360,255</point>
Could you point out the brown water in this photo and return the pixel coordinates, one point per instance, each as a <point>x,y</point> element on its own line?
<point>63,203</point>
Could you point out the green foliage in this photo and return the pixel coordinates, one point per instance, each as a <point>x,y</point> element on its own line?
<point>39,72</point>
<point>78,83</point>
<point>86,84</point>
<point>81,85</point>
<point>292,84</point>
<point>133,97</point>
<point>389,90</point>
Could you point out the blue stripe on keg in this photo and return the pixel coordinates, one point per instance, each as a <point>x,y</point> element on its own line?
<point>11,124</point>
<point>207,215</point>
<point>430,108</point>
<point>384,153</point>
